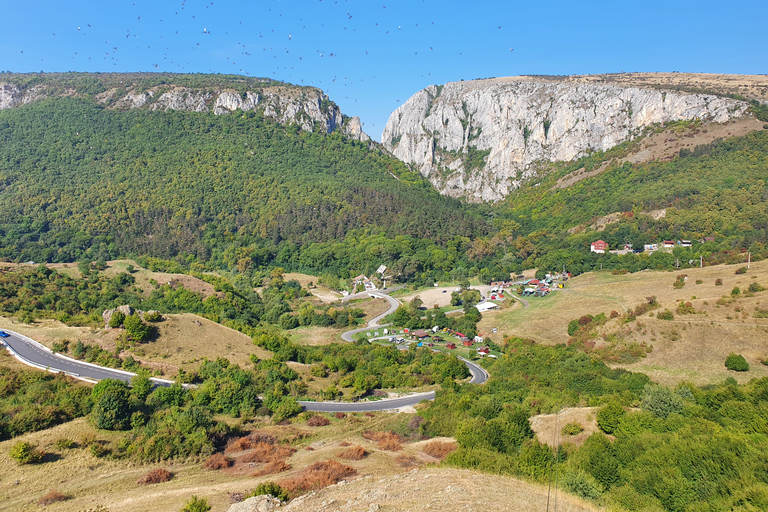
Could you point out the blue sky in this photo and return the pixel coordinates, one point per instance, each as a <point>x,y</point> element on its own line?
<point>371,56</point>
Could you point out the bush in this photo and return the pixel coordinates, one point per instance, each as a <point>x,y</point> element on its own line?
<point>582,484</point>
<point>263,452</point>
<point>64,443</point>
<point>736,291</point>
<point>439,449</point>
<point>389,441</point>
<point>736,362</point>
<point>741,270</point>
<point>268,488</point>
<point>152,316</point>
<point>718,282</point>
<point>609,417</point>
<point>318,421</point>
<point>572,429</point>
<point>217,461</point>
<point>25,453</point>
<point>52,497</point>
<point>755,287</point>
<point>271,468</point>
<point>661,401</point>
<point>155,476</point>
<point>116,320</point>
<point>317,476</point>
<point>665,315</point>
<point>354,453</point>
<point>573,326</point>
<point>196,504</point>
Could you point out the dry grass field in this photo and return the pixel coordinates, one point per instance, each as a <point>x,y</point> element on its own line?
<point>383,477</point>
<point>691,347</point>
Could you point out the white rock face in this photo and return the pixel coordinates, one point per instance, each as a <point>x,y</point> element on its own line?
<point>264,503</point>
<point>309,108</point>
<point>515,123</point>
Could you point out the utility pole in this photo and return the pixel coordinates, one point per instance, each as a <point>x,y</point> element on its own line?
<point>701,261</point>
<point>749,258</point>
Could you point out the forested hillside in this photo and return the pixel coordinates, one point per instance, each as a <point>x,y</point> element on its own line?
<point>81,181</point>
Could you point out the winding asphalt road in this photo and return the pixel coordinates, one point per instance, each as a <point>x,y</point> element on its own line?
<point>32,353</point>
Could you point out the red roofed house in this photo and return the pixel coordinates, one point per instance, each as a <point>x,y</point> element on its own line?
<point>484,350</point>
<point>599,247</point>
<point>668,244</point>
<point>468,342</point>
<point>450,345</point>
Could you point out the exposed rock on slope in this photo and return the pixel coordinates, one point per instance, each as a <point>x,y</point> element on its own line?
<point>482,139</point>
<point>307,107</point>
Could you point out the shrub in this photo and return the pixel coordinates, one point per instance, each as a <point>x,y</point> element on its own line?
<point>217,461</point>
<point>661,401</point>
<point>736,291</point>
<point>614,314</point>
<point>277,466</point>
<point>755,287</point>
<point>354,453</point>
<point>116,320</point>
<point>64,443</point>
<point>155,476</point>
<point>665,315</point>
<point>317,476</point>
<point>318,421</point>
<point>699,281</point>
<point>263,452</point>
<point>388,441</point>
<point>196,504</point>
<point>439,449</point>
<point>25,453</point>
<point>99,450</point>
<point>741,270</point>
<point>609,417</point>
<point>406,461</point>
<point>268,488</point>
<point>152,316</point>
<point>573,428</point>
<point>340,415</point>
<point>718,282</point>
<point>582,484</point>
<point>573,326</point>
<point>736,362</point>
<point>52,497</point>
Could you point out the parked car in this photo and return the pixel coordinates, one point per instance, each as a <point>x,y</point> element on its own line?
<point>4,334</point>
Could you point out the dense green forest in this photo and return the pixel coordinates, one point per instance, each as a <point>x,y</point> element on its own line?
<point>81,181</point>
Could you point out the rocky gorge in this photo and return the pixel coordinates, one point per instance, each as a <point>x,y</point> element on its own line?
<point>483,139</point>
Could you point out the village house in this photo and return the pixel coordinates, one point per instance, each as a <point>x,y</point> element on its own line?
<point>467,342</point>
<point>450,346</point>
<point>599,247</point>
<point>668,244</point>
<point>483,350</point>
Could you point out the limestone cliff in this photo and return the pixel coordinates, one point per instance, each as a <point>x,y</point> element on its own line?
<point>308,107</point>
<point>482,139</point>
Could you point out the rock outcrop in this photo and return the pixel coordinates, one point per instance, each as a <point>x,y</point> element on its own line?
<point>307,107</point>
<point>263,503</point>
<point>482,139</point>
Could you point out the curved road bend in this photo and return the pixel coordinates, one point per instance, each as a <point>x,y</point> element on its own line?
<point>374,322</point>
<point>35,354</point>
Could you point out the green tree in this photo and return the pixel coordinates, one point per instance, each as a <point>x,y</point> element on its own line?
<point>609,416</point>
<point>112,410</point>
<point>116,320</point>
<point>136,328</point>
<point>661,401</point>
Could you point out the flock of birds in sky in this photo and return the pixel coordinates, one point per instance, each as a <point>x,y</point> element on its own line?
<point>284,51</point>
